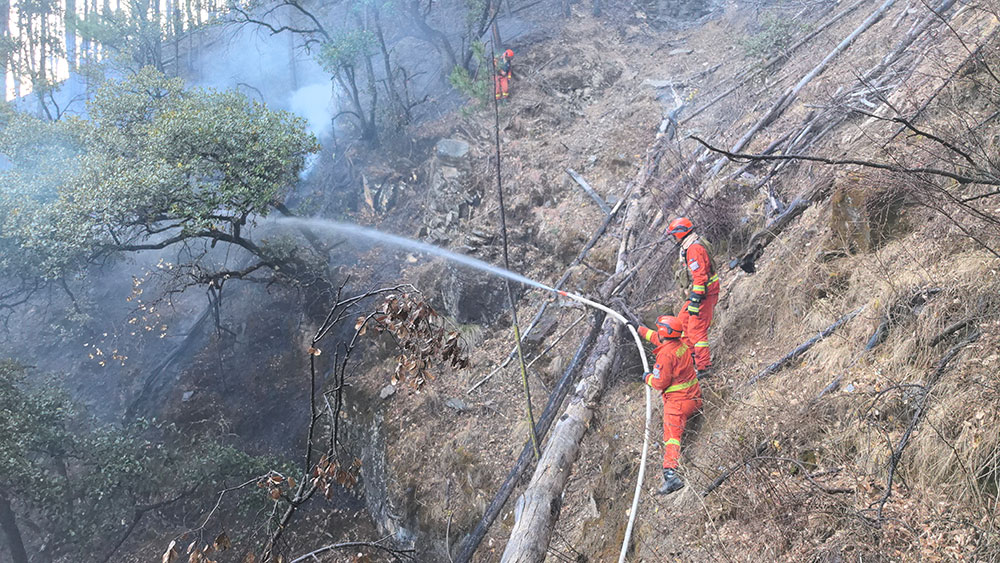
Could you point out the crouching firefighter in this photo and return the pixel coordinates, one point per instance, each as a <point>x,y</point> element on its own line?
<point>703,286</point>
<point>674,376</point>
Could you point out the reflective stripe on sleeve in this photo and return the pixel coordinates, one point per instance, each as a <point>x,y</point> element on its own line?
<point>701,344</point>
<point>681,386</point>
<point>698,288</point>
<point>649,335</point>
<point>672,441</point>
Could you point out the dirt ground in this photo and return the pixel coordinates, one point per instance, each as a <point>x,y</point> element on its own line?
<point>587,100</point>
<point>589,94</point>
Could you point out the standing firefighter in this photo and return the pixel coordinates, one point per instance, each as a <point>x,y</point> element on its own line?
<point>696,315</point>
<point>674,376</point>
<point>503,76</point>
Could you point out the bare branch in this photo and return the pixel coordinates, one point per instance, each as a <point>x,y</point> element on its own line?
<point>744,157</point>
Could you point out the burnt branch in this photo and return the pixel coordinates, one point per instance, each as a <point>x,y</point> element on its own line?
<point>744,157</point>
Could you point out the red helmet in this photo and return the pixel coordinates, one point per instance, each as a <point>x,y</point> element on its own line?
<point>509,54</point>
<point>680,227</point>
<point>669,327</point>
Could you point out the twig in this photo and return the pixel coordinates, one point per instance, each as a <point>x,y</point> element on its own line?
<point>952,329</point>
<point>897,452</point>
<point>396,553</point>
<point>961,179</point>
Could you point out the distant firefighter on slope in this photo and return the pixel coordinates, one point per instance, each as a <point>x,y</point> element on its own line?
<point>501,82</point>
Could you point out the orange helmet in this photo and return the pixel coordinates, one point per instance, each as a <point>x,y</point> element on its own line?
<point>680,227</point>
<point>669,327</point>
<point>509,54</point>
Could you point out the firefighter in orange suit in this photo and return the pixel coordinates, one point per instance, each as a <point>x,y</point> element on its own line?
<point>503,76</point>
<point>674,376</point>
<point>696,315</point>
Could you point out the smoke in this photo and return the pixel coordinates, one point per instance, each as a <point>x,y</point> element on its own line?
<point>270,68</point>
<point>314,103</point>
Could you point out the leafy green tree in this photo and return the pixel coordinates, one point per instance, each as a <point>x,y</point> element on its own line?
<point>86,487</point>
<point>133,33</point>
<point>154,166</point>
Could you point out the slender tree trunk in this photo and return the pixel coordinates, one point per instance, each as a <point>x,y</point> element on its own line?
<point>4,32</point>
<point>434,36</point>
<point>156,35</point>
<point>10,530</point>
<point>69,35</point>
<point>390,80</point>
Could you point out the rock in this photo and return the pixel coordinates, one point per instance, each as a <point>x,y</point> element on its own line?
<point>450,172</point>
<point>533,340</point>
<point>457,404</point>
<point>386,392</point>
<point>187,396</point>
<point>471,296</point>
<point>452,152</point>
<point>590,511</point>
<point>676,52</point>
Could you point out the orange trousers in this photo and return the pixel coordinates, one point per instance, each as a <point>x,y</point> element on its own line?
<point>677,408</point>
<point>696,329</point>
<point>500,85</point>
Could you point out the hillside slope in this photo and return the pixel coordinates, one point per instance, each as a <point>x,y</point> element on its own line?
<point>808,449</point>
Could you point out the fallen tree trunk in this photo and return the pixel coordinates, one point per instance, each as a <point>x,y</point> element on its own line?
<point>538,507</point>
<point>472,541</point>
<point>740,81</point>
<point>802,348</point>
<point>590,191</point>
<point>789,95</point>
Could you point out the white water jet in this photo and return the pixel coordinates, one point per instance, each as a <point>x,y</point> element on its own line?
<point>356,231</point>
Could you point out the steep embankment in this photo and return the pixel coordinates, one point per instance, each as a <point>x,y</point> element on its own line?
<point>796,462</point>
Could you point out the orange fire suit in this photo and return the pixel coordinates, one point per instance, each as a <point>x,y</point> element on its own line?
<point>697,317</point>
<point>502,79</point>
<point>673,375</point>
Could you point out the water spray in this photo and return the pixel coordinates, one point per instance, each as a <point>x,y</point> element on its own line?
<point>378,236</point>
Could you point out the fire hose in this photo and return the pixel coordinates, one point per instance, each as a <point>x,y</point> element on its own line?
<point>649,411</point>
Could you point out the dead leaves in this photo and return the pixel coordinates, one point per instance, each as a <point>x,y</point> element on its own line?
<point>198,553</point>
<point>329,471</point>
<point>277,485</point>
<point>424,344</point>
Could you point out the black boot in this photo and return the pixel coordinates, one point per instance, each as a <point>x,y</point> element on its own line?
<point>671,482</point>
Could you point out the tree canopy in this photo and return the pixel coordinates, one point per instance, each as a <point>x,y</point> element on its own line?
<point>83,483</point>
<point>153,165</point>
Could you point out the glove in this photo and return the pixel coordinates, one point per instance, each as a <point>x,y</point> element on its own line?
<point>694,304</point>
